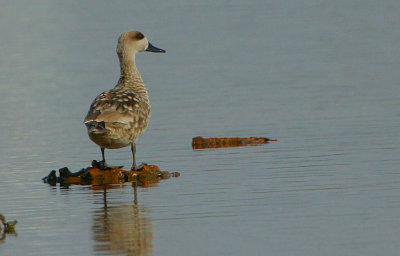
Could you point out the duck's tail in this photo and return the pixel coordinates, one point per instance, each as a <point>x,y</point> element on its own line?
<point>95,127</point>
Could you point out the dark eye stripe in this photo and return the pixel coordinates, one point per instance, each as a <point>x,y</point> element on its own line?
<point>139,36</point>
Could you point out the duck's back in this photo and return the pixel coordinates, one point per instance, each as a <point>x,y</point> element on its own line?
<point>125,114</point>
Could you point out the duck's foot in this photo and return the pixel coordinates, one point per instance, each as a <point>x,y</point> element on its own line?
<point>138,168</point>
<point>102,165</point>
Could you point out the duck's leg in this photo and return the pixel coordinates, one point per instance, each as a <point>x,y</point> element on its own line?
<point>134,167</point>
<point>102,154</point>
<point>102,163</point>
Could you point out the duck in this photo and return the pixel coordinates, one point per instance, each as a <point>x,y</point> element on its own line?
<point>117,117</point>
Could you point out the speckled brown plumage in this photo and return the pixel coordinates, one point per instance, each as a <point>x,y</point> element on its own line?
<point>117,117</point>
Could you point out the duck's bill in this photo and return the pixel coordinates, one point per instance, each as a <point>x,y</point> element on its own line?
<point>152,48</point>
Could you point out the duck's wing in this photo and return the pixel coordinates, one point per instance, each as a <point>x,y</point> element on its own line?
<point>117,106</point>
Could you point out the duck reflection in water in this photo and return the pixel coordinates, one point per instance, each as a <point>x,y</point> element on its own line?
<point>124,229</point>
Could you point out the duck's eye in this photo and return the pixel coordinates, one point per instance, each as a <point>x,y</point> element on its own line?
<point>139,36</point>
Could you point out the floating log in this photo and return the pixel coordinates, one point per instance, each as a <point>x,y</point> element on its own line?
<point>97,175</point>
<point>200,142</point>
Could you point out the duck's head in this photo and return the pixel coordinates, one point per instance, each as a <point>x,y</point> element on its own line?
<point>132,42</point>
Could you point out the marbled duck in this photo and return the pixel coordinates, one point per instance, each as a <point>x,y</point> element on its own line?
<point>117,117</point>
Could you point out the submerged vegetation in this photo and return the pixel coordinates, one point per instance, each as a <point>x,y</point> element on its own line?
<point>6,227</point>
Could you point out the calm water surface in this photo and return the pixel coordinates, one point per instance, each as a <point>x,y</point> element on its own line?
<point>322,78</point>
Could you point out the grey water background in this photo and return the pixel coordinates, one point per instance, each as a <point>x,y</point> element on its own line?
<point>322,77</point>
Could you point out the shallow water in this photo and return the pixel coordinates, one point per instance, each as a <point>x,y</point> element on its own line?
<point>322,78</point>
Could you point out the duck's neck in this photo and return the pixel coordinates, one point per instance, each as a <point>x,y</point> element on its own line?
<point>130,77</point>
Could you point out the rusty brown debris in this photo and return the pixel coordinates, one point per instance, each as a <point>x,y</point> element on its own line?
<point>147,175</point>
<point>200,142</point>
